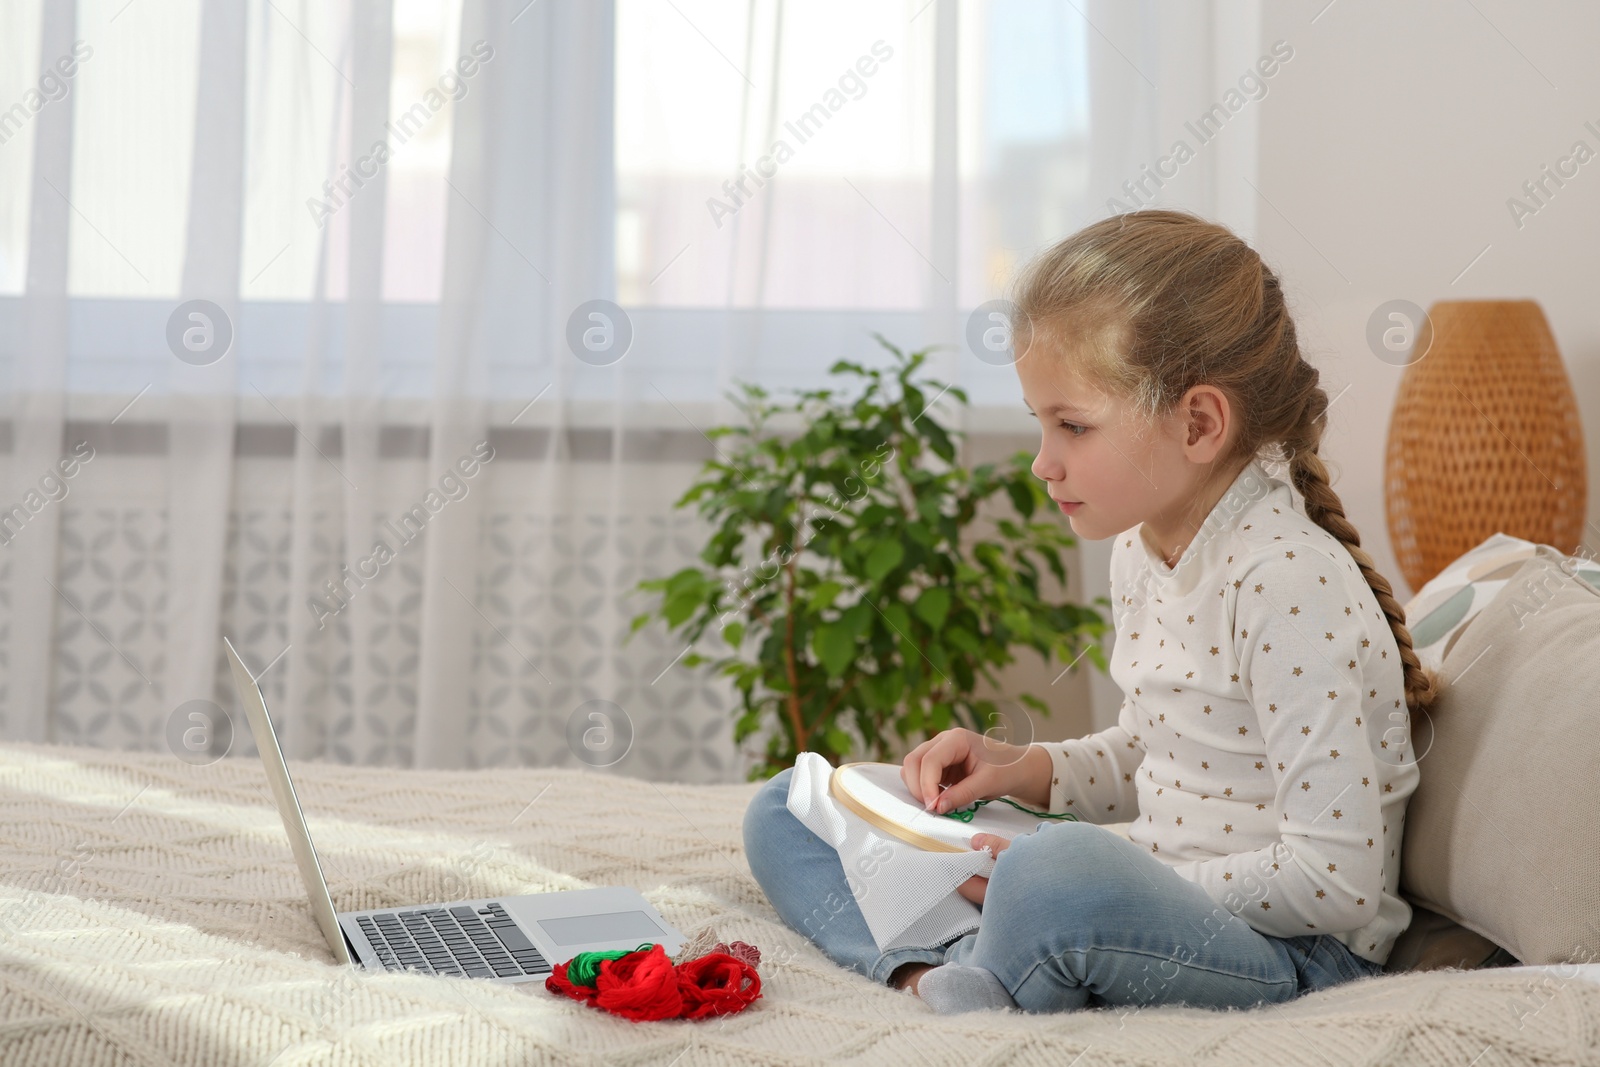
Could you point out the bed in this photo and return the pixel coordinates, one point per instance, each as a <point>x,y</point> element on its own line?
<point>152,914</point>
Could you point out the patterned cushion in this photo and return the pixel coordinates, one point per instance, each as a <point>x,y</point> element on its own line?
<point>1440,611</point>
<point>1500,835</point>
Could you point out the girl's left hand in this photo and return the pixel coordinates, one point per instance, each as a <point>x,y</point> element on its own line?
<point>976,887</point>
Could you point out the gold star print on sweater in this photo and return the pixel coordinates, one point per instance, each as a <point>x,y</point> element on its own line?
<point>1274,705</point>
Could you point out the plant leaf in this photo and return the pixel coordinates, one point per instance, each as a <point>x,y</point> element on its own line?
<point>1021,498</point>
<point>859,619</point>
<point>884,558</point>
<point>962,638</point>
<point>679,608</point>
<point>834,644</point>
<point>939,441</point>
<point>933,606</point>
<point>899,619</point>
<point>823,596</point>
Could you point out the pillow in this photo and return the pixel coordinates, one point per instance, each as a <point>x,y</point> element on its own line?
<point>1501,834</point>
<point>1443,607</point>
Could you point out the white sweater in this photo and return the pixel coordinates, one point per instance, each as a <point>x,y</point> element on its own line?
<point>1262,746</point>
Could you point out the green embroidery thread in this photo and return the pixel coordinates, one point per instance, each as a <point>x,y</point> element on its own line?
<point>584,968</point>
<point>966,814</point>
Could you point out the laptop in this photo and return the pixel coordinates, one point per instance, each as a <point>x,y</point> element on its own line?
<point>503,939</point>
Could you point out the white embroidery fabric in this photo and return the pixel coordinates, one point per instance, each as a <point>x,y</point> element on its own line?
<point>906,895</point>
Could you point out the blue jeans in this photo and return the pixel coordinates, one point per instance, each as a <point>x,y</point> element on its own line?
<point>1127,929</point>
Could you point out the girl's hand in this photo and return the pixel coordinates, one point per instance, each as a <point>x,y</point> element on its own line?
<point>970,766</point>
<point>977,887</point>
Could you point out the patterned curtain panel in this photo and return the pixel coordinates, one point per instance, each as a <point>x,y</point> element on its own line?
<point>539,644</point>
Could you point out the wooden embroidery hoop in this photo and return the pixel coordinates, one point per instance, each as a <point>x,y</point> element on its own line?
<point>852,787</point>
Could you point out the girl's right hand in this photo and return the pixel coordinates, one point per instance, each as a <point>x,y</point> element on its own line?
<point>971,766</point>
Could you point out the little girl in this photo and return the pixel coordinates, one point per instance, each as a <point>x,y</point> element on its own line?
<point>1261,753</point>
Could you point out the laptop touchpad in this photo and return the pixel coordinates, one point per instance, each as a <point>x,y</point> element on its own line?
<point>589,929</point>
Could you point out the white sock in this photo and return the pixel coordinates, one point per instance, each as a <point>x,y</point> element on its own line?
<point>952,988</point>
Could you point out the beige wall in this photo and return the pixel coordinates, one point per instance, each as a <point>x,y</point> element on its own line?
<point>1389,151</point>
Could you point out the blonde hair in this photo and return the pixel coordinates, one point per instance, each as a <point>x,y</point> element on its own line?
<point>1155,302</point>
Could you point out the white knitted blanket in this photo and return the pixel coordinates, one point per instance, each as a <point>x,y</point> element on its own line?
<point>151,913</point>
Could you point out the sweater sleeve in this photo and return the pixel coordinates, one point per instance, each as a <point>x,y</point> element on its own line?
<point>1299,651</point>
<point>1092,777</point>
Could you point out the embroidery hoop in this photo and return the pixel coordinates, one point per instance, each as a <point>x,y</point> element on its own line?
<point>875,793</point>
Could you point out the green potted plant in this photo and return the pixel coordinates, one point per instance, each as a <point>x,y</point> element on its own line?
<point>863,611</point>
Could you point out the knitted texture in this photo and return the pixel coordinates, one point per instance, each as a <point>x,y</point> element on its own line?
<point>151,913</point>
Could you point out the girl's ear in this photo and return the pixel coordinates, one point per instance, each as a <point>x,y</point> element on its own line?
<point>1209,419</point>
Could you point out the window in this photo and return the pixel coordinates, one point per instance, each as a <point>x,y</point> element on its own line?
<point>764,157</point>
<point>835,107</point>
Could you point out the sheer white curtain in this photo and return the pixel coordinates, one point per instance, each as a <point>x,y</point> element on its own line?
<point>413,504</point>
<point>528,236</point>
<point>37,401</point>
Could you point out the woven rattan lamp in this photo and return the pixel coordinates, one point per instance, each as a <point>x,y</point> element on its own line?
<point>1484,438</point>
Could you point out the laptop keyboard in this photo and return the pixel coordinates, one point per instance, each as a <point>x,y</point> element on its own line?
<point>460,941</point>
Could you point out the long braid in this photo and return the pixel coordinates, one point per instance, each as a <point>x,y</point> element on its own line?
<point>1323,506</point>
